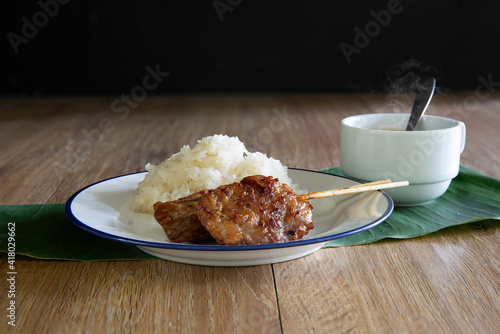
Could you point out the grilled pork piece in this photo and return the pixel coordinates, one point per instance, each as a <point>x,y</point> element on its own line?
<point>257,210</point>
<point>179,219</point>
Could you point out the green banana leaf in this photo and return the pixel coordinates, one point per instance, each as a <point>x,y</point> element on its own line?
<point>471,197</point>
<point>43,231</point>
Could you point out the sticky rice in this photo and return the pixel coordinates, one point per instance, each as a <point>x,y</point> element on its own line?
<point>213,161</point>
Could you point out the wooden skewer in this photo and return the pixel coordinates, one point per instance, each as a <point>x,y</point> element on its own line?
<point>326,193</point>
<point>374,183</point>
<point>359,188</point>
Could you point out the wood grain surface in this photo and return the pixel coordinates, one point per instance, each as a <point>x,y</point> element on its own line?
<point>445,282</point>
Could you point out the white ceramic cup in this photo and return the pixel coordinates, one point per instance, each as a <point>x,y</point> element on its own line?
<point>376,146</point>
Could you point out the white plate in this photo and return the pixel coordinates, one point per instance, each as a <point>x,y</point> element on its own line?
<point>103,209</point>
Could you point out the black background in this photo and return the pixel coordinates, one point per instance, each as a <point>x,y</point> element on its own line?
<point>103,47</point>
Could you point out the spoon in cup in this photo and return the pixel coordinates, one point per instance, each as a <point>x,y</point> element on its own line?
<point>421,103</point>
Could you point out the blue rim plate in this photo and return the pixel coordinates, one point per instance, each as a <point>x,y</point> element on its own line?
<point>103,209</point>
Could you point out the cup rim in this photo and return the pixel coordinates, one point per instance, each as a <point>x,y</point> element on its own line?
<point>453,122</point>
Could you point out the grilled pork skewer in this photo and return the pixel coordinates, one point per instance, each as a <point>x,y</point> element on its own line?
<point>257,210</point>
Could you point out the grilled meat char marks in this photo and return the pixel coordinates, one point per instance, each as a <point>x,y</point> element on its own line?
<point>257,210</point>
<point>179,219</point>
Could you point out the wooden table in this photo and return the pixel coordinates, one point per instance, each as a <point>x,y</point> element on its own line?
<point>446,282</point>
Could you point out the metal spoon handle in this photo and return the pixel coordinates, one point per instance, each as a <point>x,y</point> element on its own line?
<point>420,105</point>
